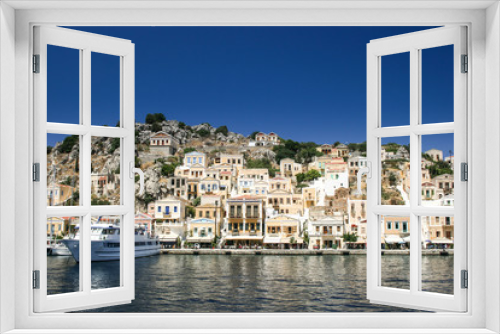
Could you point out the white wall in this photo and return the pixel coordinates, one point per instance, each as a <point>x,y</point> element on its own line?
<point>7,159</point>
<point>492,235</point>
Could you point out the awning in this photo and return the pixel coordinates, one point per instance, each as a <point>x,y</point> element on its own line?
<point>442,241</point>
<point>393,239</point>
<point>167,239</point>
<point>272,240</point>
<point>200,240</point>
<point>406,239</point>
<point>244,238</point>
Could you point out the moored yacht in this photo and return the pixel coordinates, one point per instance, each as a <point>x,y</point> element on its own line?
<point>105,243</point>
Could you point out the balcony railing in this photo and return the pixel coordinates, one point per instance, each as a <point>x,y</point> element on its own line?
<point>232,215</point>
<point>235,233</point>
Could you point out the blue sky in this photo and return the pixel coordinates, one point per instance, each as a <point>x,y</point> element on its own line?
<point>304,83</point>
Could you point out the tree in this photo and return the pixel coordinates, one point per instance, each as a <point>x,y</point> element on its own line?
<point>115,143</point>
<point>49,149</point>
<point>222,129</point>
<point>156,127</point>
<point>307,154</point>
<point>350,237</point>
<point>155,118</point>
<point>261,163</point>
<point>312,174</point>
<point>306,238</point>
<point>253,134</point>
<point>197,201</point>
<point>189,149</point>
<point>393,179</point>
<point>337,143</point>
<point>361,147</point>
<point>68,144</point>
<point>190,212</point>
<point>283,153</point>
<point>203,133</point>
<point>148,198</point>
<point>168,169</point>
<point>182,125</point>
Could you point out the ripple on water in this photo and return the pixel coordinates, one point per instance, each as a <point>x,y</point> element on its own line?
<point>185,283</point>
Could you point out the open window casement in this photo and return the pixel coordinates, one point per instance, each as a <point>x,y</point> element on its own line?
<point>80,214</point>
<point>416,210</point>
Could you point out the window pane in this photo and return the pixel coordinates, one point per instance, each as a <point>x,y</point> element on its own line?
<point>437,170</point>
<point>395,244</point>
<point>63,248</point>
<point>105,168</point>
<point>106,240</point>
<point>63,170</point>
<point>63,85</point>
<point>395,170</point>
<point>105,89</point>
<point>437,84</point>
<point>395,91</point>
<point>437,254</point>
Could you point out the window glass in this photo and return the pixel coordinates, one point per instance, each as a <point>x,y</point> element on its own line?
<point>395,254</point>
<point>63,170</point>
<point>63,85</point>
<point>395,92</point>
<point>63,248</point>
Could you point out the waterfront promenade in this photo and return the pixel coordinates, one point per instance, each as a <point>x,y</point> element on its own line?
<point>426,252</point>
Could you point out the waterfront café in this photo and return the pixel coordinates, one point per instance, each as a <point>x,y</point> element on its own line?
<point>395,232</point>
<point>244,221</point>
<point>283,232</point>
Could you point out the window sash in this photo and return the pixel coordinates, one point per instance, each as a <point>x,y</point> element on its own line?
<point>86,43</point>
<point>412,43</point>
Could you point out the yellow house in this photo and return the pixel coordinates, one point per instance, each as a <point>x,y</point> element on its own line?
<point>211,211</point>
<point>56,226</point>
<point>245,221</point>
<point>202,231</point>
<point>282,232</point>
<point>284,202</point>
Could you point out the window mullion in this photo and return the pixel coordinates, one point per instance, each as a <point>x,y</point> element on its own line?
<point>415,90</point>
<point>86,168</point>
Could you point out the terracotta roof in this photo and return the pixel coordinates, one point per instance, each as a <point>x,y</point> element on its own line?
<point>226,173</point>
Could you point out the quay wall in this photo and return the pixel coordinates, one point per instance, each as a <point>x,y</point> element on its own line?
<point>426,252</point>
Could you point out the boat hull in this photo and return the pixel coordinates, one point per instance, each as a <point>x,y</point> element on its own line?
<point>100,250</point>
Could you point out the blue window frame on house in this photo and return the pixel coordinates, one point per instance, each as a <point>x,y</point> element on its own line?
<point>175,209</point>
<point>167,210</point>
<point>159,209</point>
<point>189,160</point>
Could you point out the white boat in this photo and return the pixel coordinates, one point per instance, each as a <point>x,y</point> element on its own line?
<point>105,243</point>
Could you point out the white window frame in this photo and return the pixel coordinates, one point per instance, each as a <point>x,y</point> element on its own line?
<point>85,43</point>
<point>414,44</point>
<point>483,21</point>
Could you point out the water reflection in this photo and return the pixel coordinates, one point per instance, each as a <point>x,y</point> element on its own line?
<point>186,283</point>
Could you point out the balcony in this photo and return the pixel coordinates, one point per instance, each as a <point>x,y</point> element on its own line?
<point>232,215</point>
<point>253,233</point>
<point>235,233</point>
